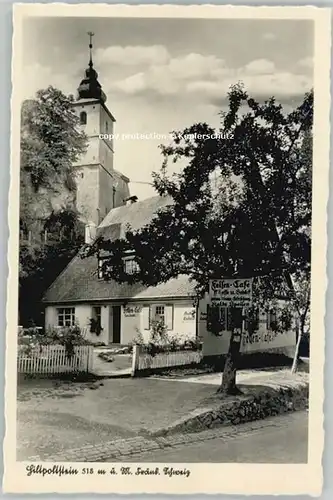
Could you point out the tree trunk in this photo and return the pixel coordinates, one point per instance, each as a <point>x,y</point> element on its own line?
<point>295,360</point>
<point>228,383</point>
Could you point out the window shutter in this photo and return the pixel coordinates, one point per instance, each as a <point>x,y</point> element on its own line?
<point>229,319</point>
<point>223,318</point>
<point>146,317</point>
<point>208,319</point>
<point>169,317</point>
<point>246,320</point>
<point>257,319</point>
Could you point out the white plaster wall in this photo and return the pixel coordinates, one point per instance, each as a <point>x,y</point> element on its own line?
<point>260,341</point>
<point>132,321</point>
<point>104,118</point>
<point>105,156</point>
<point>51,319</point>
<point>93,111</point>
<point>88,193</point>
<point>184,325</point>
<point>184,322</point>
<point>83,313</point>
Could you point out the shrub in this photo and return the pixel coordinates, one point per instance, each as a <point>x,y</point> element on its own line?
<point>137,340</point>
<point>159,333</point>
<point>32,340</point>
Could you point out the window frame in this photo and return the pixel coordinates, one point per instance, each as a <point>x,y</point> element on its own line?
<point>255,320</point>
<point>62,314</point>
<point>132,264</point>
<point>271,318</point>
<point>114,197</point>
<point>100,272</point>
<point>168,321</point>
<point>83,118</point>
<point>96,316</point>
<point>158,316</point>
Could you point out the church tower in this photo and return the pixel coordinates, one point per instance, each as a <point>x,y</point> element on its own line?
<point>99,187</point>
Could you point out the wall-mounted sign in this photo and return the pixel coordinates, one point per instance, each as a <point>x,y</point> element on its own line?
<point>231,292</point>
<point>264,337</point>
<point>131,311</point>
<point>189,315</point>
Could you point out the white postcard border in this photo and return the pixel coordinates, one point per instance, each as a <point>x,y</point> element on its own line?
<point>204,478</point>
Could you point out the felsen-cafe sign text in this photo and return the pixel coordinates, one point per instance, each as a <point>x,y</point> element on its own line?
<point>231,292</point>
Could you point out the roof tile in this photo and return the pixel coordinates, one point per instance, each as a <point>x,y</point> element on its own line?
<point>79,282</point>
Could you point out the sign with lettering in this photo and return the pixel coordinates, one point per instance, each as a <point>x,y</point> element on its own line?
<point>260,337</point>
<point>131,311</point>
<point>231,292</point>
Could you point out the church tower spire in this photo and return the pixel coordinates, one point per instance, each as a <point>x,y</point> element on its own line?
<point>90,88</point>
<point>100,187</point>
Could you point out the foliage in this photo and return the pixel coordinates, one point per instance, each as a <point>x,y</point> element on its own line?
<point>32,340</point>
<point>39,265</point>
<point>240,207</point>
<point>267,154</point>
<point>95,326</point>
<point>51,233</point>
<point>153,348</point>
<point>161,342</point>
<point>159,332</point>
<point>50,141</point>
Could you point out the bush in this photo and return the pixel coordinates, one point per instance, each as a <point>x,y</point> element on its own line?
<point>161,342</point>
<point>138,340</point>
<point>32,340</point>
<point>159,333</point>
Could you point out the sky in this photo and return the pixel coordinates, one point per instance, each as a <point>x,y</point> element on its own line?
<point>161,75</point>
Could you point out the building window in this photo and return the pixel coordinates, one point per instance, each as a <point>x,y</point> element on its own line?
<point>66,316</point>
<point>131,266</point>
<point>103,268</point>
<point>106,127</point>
<point>96,320</point>
<point>158,313</point>
<point>113,197</point>
<point>271,320</point>
<point>100,269</point>
<point>83,118</point>
<point>218,319</point>
<point>251,323</point>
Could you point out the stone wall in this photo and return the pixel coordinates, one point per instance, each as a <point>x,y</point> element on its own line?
<point>264,402</point>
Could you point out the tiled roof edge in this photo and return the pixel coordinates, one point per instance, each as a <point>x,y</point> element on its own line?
<point>136,299</point>
<point>76,256</point>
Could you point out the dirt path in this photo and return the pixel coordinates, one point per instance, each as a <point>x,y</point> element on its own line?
<point>59,416</point>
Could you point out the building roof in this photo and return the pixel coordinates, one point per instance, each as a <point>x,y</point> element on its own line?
<point>79,281</point>
<point>136,214</point>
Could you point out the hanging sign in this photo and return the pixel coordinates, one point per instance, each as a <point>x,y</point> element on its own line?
<point>231,292</point>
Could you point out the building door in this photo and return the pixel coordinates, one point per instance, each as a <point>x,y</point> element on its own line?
<point>116,324</point>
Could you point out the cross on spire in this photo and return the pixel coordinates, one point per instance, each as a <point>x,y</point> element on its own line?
<point>89,87</point>
<point>91,34</point>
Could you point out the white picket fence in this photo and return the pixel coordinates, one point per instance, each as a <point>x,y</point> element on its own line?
<point>52,359</point>
<point>143,361</point>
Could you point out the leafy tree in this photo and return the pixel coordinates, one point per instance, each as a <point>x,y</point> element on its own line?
<point>255,221</point>
<point>49,224</point>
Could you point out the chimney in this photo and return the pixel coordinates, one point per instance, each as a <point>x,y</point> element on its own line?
<point>90,233</point>
<point>131,199</point>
